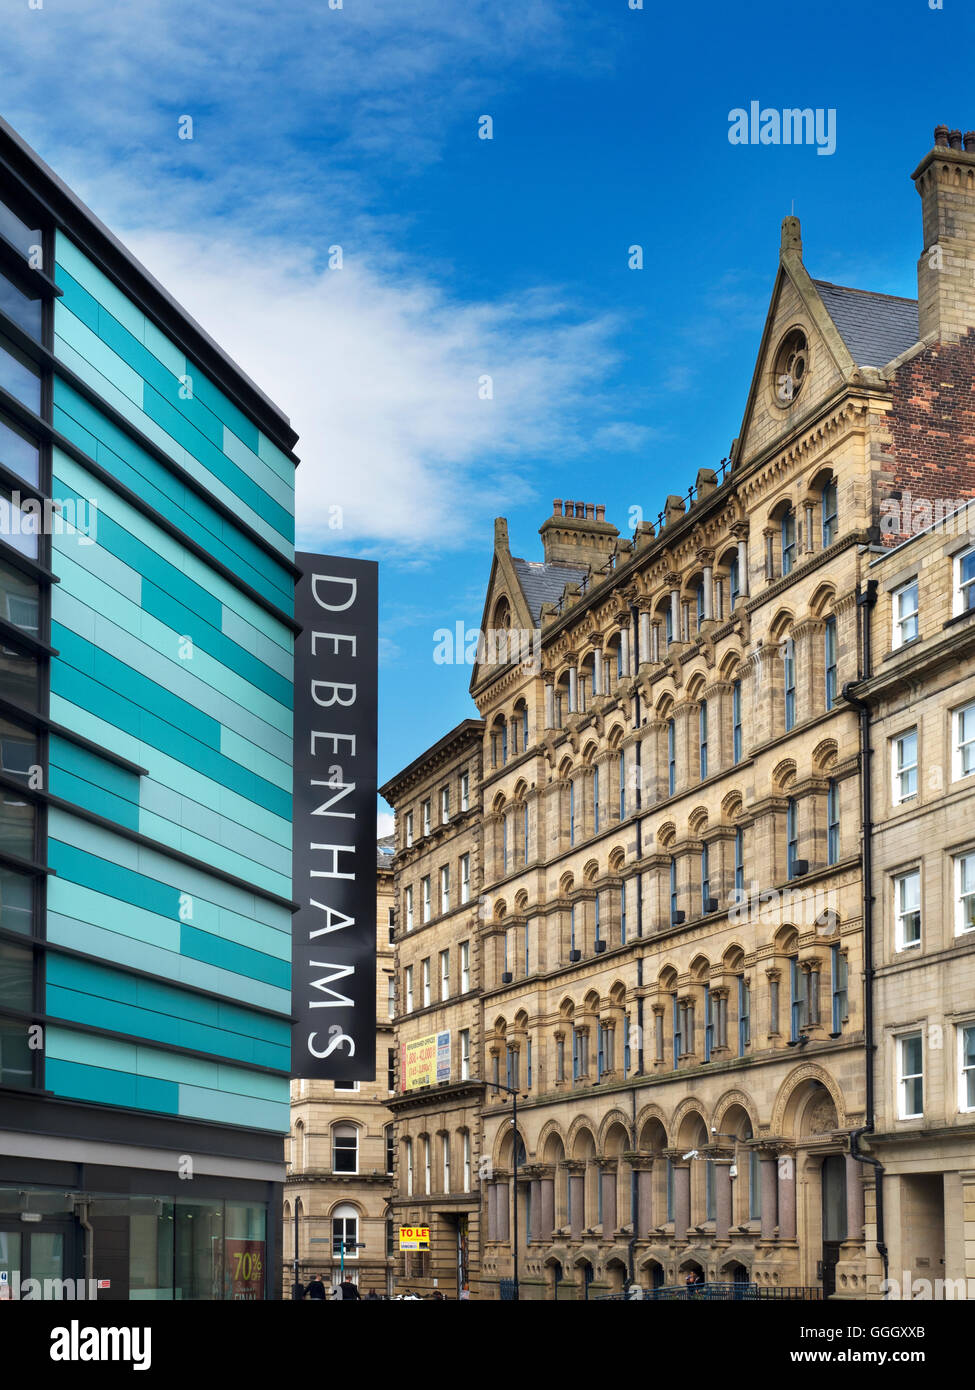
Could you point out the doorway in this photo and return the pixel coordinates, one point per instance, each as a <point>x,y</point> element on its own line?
<point>44,1253</point>
<point>833,1181</point>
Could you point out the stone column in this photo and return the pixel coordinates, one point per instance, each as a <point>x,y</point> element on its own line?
<point>504,1211</point>
<point>655,642</point>
<point>536,1226</point>
<point>770,1195</point>
<point>577,1190</point>
<point>597,671</point>
<point>492,1207</point>
<point>573,686</point>
<point>549,701</point>
<point>607,1177</point>
<point>675,611</point>
<point>547,1218</point>
<point>786,1172</point>
<point>682,1199</point>
<point>645,648</point>
<point>644,1197</point>
<point>722,1198</point>
<point>625,649</point>
<point>854,1199</point>
<point>706,558</point>
<point>740,533</point>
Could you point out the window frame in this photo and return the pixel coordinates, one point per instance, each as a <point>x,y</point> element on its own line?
<point>898,881</point>
<point>899,770</point>
<point>898,620</point>
<point>904,1077</point>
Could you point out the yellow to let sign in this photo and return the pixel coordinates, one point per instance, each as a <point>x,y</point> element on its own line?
<point>414,1237</point>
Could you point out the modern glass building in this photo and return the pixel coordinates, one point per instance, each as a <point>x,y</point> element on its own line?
<point>146,646</point>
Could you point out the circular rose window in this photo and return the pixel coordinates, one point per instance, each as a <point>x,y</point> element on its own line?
<point>791,367</point>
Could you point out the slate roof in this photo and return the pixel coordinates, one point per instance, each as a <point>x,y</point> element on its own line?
<point>875,327</point>
<point>543,583</point>
<point>385,849</point>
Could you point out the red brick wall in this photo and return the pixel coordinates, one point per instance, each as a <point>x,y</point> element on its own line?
<point>933,429</point>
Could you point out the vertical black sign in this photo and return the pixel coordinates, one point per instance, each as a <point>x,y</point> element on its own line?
<point>334,931</point>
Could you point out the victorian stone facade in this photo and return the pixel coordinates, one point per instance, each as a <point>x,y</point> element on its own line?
<point>679,965</point>
<point>439,1086</point>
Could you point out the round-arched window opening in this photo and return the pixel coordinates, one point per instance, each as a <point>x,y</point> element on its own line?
<point>791,367</point>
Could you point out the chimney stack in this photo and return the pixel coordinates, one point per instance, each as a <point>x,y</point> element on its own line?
<point>945,180</point>
<point>577,533</point>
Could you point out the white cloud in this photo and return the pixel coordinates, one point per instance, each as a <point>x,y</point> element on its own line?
<point>302,117</point>
<point>380,377</point>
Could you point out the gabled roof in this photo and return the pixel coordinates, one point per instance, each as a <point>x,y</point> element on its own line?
<point>875,327</point>
<point>544,582</point>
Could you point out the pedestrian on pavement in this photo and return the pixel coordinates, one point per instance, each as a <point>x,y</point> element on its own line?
<point>348,1289</point>
<point>316,1289</point>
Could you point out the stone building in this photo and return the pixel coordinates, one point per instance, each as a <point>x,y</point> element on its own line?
<point>340,1151</point>
<point>921,737</point>
<point>438,1025</point>
<point>675,945</point>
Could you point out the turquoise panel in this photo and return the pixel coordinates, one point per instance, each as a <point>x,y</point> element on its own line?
<point>92,798</point>
<point>124,946</point>
<point>215,950</point>
<point>167,774</point>
<point>93,661</point>
<point>76,1007</point>
<point>75,864</point>
<point>82,1082</point>
<point>80,689</point>
<point>82,762</point>
<point>110,446</point>
<point>175,615</point>
<point>68,257</point>
<point>235,1109</point>
<point>77,299</point>
<point>211,455</point>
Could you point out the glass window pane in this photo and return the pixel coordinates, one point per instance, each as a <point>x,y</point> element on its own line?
<point>16,977</point>
<point>19,376</point>
<point>25,312</point>
<point>18,677</point>
<point>18,451</point>
<point>19,601</point>
<point>18,749</point>
<point>17,231</point>
<point>198,1240</point>
<point>16,1058</point>
<point>16,824</point>
<point>16,902</point>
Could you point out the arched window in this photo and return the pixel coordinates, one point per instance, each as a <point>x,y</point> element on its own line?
<point>408,1147</point>
<point>702,721</point>
<point>426,1163</point>
<point>791,836</point>
<point>789,672</point>
<point>445,1140</point>
<point>671,757</point>
<point>705,879</point>
<point>740,860</point>
<point>345,1232</point>
<point>345,1149</point>
<point>736,722</point>
<point>388,1136</point>
<point>832,822</point>
<point>829,514</point>
<point>788,540</point>
<point>829,644</point>
<point>734,585</point>
<point>673,891</point>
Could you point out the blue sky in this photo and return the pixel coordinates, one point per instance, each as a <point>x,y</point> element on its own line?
<point>358,127</point>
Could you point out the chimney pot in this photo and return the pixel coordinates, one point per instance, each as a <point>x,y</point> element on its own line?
<point>600,513</point>
<point>557,507</point>
<point>581,510</point>
<point>590,512</point>
<point>941,135</point>
<point>969,138</point>
<point>954,139</point>
<point>570,508</point>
